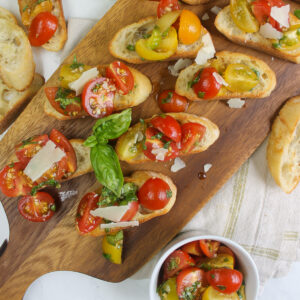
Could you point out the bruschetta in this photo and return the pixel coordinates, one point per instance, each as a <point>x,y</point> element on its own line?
<point>164,137</point>
<point>230,75</point>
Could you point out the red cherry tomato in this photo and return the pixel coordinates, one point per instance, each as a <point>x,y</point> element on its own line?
<point>131,212</point>
<point>175,262</point>
<point>122,77</point>
<point>192,134</point>
<point>191,277</point>
<point>192,248</point>
<point>226,281</point>
<point>206,86</point>
<point>28,148</point>
<point>85,221</point>
<point>169,101</point>
<point>12,180</point>
<point>37,208</point>
<point>42,28</point>
<point>166,6</point>
<point>154,194</point>
<point>209,248</point>
<point>168,126</point>
<point>98,97</point>
<point>226,250</point>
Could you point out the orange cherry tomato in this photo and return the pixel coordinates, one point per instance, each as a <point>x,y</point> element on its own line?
<point>192,248</point>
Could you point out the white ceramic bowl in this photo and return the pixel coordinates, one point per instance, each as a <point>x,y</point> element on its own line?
<point>246,263</point>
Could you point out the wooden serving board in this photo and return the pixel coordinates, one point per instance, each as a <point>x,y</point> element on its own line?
<point>35,249</point>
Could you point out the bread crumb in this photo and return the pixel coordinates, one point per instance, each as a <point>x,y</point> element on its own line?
<point>235,103</point>
<point>178,165</point>
<point>207,167</point>
<point>215,9</point>
<point>205,17</point>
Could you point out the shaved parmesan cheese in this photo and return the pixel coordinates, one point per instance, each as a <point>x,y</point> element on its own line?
<point>215,9</point>
<point>207,167</point>
<point>281,15</point>
<point>207,51</point>
<point>178,165</point>
<point>179,65</point>
<point>220,79</point>
<point>205,17</point>
<point>159,153</point>
<point>43,160</point>
<point>138,137</point>
<point>235,103</point>
<point>269,32</point>
<point>120,224</point>
<point>85,77</point>
<point>112,213</point>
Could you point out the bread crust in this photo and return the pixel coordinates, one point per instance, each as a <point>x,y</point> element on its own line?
<point>283,146</point>
<point>263,89</point>
<point>7,15</point>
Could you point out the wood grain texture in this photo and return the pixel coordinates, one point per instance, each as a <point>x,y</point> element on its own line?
<point>35,249</point>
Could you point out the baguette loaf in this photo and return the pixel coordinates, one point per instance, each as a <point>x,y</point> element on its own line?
<point>139,178</point>
<point>267,78</point>
<point>283,151</point>
<point>225,24</point>
<point>7,15</point>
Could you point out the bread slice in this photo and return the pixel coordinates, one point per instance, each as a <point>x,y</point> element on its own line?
<point>143,215</point>
<point>12,102</point>
<point>283,151</point>
<point>267,78</point>
<point>133,32</point>
<point>226,26</point>
<point>7,15</point>
<point>211,135</point>
<point>141,91</point>
<point>58,40</point>
<point>16,59</point>
<point>195,2</point>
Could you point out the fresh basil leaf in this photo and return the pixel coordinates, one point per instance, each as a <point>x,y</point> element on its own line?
<point>297,13</point>
<point>27,142</point>
<point>25,8</point>
<point>91,141</point>
<point>114,239</point>
<point>76,64</point>
<point>50,182</point>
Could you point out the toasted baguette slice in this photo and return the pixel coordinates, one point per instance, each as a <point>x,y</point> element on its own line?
<point>57,42</point>
<point>7,15</point>
<point>195,2</point>
<point>139,94</point>
<point>129,138</point>
<point>133,32</point>
<point>283,151</point>
<point>143,215</point>
<point>267,78</point>
<point>226,26</point>
<point>12,102</point>
<point>16,60</point>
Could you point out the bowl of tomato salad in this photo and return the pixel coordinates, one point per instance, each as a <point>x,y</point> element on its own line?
<point>204,267</point>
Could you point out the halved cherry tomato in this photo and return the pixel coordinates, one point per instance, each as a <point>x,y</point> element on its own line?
<point>131,212</point>
<point>209,248</point>
<point>175,262</point>
<point>37,208</point>
<point>69,105</point>
<point>192,248</point>
<point>122,77</point>
<point>98,97</point>
<point>168,126</point>
<point>191,278</point>
<point>192,134</point>
<point>154,194</point>
<point>170,101</point>
<point>85,221</point>
<point>12,180</point>
<point>225,280</point>
<point>225,250</point>
<point>205,84</point>
<point>42,28</point>
<point>28,148</point>
<point>166,6</point>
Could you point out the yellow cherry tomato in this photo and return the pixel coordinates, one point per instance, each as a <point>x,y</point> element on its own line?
<point>190,27</point>
<point>240,78</point>
<point>112,246</point>
<point>166,21</point>
<point>212,294</point>
<point>167,290</point>
<point>221,261</point>
<point>242,16</point>
<point>29,14</point>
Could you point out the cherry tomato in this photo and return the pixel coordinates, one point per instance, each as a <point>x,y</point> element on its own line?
<point>154,194</point>
<point>225,250</point>
<point>168,126</point>
<point>166,6</point>
<point>191,277</point>
<point>169,101</point>
<point>192,248</point>
<point>209,248</point>
<point>122,77</point>
<point>192,134</point>
<point>131,212</point>
<point>225,280</point>
<point>206,86</point>
<point>175,262</point>
<point>85,221</point>
<point>98,96</point>
<point>42,28</point>
<point>28,148</point>
<point>37,208</point>
<point>12,180</point>
<point>72,109</point>
<point>156,140</point>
